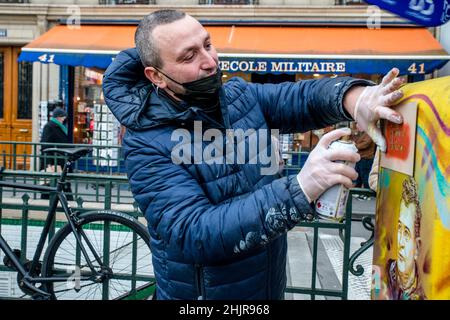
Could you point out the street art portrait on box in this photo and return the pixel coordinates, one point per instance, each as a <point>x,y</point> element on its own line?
<point>411,257</point>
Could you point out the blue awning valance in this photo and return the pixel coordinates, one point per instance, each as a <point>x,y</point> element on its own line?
<point>86,59</point>
<point>262,49</point>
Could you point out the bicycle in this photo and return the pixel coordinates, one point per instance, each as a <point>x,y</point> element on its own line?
<point>89,256</point>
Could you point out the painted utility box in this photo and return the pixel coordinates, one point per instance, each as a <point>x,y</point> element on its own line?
<point>411,254</point>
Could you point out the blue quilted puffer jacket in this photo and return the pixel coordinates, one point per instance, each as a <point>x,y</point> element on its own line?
<point>218,231</point>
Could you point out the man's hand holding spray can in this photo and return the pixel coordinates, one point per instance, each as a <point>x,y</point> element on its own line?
<point>331,204</point>
<point>328,174</point>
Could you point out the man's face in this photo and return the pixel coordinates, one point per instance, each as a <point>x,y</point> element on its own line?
<point>61,119</point>
<point>406,240</point>
<point>186,51</point>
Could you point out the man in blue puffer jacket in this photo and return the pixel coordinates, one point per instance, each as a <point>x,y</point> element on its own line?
<point>218,224</point>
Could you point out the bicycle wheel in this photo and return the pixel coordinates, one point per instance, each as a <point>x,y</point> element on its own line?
<point>118,247</point>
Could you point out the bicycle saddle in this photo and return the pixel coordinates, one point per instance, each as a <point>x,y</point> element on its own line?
<point>72,153</point>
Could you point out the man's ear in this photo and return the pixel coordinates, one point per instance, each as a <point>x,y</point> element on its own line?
<point>155,77</point>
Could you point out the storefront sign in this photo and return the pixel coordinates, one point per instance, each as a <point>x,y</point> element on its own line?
<point>282,66</point>
<point>327,66</point>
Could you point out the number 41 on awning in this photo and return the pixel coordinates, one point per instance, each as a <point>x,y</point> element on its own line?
<point>413,70</point>
<point>50,58</point>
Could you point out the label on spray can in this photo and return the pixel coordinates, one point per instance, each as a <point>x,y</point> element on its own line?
<point>331,204</point>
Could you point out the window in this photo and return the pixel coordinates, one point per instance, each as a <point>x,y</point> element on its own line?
<point>1,84</point>
<point>248,2</point>
<point>350,2</point>
<point>25,90</point>
<point>115,2</point>
<point>14,1</point>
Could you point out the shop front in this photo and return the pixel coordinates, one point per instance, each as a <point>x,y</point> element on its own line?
<point>262,54</point>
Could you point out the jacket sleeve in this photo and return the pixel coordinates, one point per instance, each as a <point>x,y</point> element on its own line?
<point>305,105</point>
<point>181,215</point>
<point>124,84</point>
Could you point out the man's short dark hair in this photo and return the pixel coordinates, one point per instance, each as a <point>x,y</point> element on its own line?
<point>145,44</point>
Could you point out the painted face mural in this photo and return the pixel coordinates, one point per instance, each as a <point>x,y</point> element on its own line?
<point>406,240</point>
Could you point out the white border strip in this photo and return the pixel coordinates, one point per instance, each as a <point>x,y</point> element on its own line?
<point>264,55</point>
<point>334,56</point>
<point>50,51</point>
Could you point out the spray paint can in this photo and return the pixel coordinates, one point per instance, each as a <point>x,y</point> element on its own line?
<point>331,204</point>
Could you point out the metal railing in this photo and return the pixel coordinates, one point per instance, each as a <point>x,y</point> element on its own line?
<point>28,156</point>
<point>88,190</point>
<point>110,194</point>
<point>90,177</point>
<point>23,212</point>
<point>348,260</point>
<point>294,164</point>
<point>18,208</point>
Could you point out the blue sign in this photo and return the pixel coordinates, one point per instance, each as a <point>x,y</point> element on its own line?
<point>338,66</point>
<point>428,13</point>
<point>71,59</point>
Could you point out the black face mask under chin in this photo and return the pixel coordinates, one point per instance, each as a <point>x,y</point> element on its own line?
<point>203,92</point>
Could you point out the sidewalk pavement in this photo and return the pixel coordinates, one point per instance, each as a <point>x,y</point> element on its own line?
<point>330,257</point>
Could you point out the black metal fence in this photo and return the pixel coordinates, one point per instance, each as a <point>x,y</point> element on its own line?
<point>104,185</point>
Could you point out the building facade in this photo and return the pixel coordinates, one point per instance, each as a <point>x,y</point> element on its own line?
<point>27,85</point>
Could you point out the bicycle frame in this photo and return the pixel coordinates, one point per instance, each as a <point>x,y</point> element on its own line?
<point>28,278</point>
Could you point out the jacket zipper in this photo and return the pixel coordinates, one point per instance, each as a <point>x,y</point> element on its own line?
<point>199,282</point>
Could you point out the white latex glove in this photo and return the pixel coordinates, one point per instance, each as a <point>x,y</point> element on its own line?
<point>320,172</point>
<point>374,104</point>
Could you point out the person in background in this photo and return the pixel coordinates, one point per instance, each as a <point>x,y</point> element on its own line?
<point>366,149</point>
<point>55,131</point>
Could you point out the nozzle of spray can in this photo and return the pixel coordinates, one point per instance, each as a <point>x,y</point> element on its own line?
<point>345,138</point>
